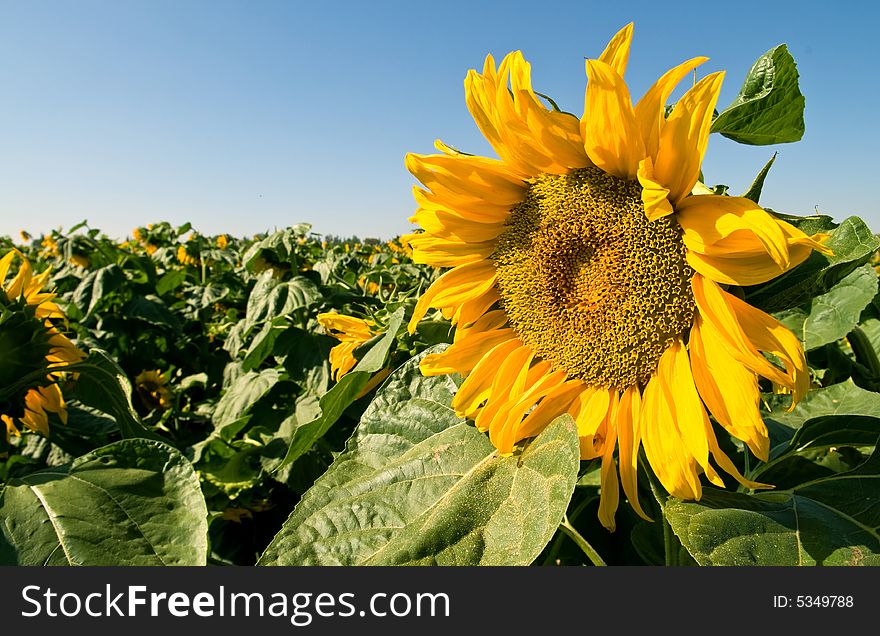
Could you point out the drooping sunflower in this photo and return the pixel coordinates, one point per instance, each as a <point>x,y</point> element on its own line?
<point>588,279</point>
<point>31,346</point>
<point>351,332</point>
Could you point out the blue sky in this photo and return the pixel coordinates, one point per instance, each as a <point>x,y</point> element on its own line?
<point>245,116</point>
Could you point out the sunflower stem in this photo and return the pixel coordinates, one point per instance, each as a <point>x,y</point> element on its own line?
<point>864,352</point>
<point>579,540</point>
<point>670,550</point>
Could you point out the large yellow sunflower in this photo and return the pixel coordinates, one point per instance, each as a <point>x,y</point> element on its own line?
<point>587,278</point>
<point>31,345</point>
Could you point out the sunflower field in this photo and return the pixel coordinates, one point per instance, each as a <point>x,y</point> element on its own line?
<point>587,353</point>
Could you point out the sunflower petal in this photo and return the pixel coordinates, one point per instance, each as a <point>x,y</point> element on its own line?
<point>454,288</point>
<point>664,447</point>
<point>629,440</point>
<point>736,407</point>
<point>655,197</point>
<point>650,112</point>
<point>616,54</point>
<point>477,177</point>
<point>611,136</point>
<point>478,385</point>
<point>744,331</point>
<point>684,138</point>
<point>609,497</point>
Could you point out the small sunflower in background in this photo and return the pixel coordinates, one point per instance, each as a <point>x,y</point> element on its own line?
<point>351,332</point>
<point>222,241</point>
<point>184,257</point>
<point>588,279</point>
<point>153,389</point>
<point>34,351</point>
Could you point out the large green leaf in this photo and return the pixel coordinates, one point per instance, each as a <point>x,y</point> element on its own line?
<point>342,395</point>
<point>830,521</point>
<point>95,287</point>
<point>238,398</point>
<point>832,315</point>
<point>152,310</point>
<point>271,298</point>
<point>133,502</point>
<point>103,385</point>
<point>769,108</point>
<point>417,485</point>
<point>821,447</point>
<point>853,244</point>
<point>844,398</point>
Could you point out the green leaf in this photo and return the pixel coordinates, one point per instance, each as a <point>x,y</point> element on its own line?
<point>853,244</point>
<point>133,502</point>
<point>754,191</point>
<point>270,298</point>
<point>170,281</point>
<point>844,398</point>
<point>241,395</point>
<point>417,485</point>
<point>305,357</point>
<point>343,394</point>
<point>103,385</point>
<point>832,315</point>
<point>263,343</point>
<point>152,310</point>
<point>769,108</point>
<point>97,286</point>
<point>821,447</point>
<point>830,521</point>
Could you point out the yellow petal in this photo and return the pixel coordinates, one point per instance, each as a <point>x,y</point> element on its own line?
<point>348,328</point>
<point>430,250</point>
<point>655,197</point>
<point>474,307</point>
<point>650,112</point>
<point>513,120</point>
<point>736,405</point>
<point>465,207</point>
<point>745,331</point>
<point>342,359</point>
<point>610,490</point>
<point>5,263</point>
<point>455,287</point>
<point>684,138</point>
<point>592,408</point>
<point>612,138</point>
<point>552,406</point>
<point>664,447</point>
<point>463,355</point>
<point>451,226</point>
<point>628,441</point>
<point>476,177</point>
<point>21,281</point>
<point>11,429</point>
<point>478,385</point>
<point>715,225</point>
<point>616,54</point>
<point>507,428</point>
<point>509,379</point>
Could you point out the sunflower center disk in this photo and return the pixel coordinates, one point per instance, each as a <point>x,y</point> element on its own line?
<point>589,283</point>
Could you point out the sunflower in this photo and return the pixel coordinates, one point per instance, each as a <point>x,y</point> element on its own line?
<point>31,346</point>
<point>152,386</point>
<point>184,257</point>
<point>588,279</point>
<point>351,332</point>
